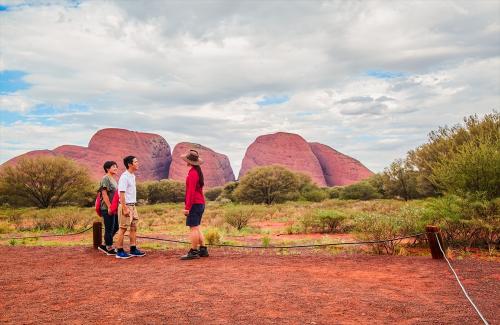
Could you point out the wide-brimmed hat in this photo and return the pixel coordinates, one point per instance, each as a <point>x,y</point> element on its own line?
<point>192,157</point>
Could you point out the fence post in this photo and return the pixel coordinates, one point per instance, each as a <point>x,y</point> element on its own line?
<point>97,232</point>
<point>433,244</point>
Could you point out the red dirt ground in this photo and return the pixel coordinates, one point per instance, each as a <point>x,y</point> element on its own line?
<point>81,286</point>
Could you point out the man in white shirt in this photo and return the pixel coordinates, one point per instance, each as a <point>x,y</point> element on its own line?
<point>127,211</point>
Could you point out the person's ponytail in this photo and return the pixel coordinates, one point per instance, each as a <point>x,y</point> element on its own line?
<point>201,181</point>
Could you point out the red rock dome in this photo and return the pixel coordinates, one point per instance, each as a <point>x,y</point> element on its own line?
<point>216,168</point>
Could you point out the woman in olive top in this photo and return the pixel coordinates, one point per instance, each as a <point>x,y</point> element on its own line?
<point>194,205</point>
<point>108,188</point>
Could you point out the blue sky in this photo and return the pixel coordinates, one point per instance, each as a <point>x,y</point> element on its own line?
<point>12,81</point>
<point>368,78</point>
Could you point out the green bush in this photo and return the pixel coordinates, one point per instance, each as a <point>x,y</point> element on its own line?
<point>213,193</point>
<point>166,191</point>
<point>474,168</point>
<point>266,241</point>
<point>227,192</point>
<point>333,192</point>
<point>238,216</point>
<point>373,227</point>
<point>5,228</point>
<point>466,222</point>
<point>324,221</point>
<point>212,236</point>
<point>316,195</point>
<point>142,191</point>
<point>359,191</point>
<point>270,184</point>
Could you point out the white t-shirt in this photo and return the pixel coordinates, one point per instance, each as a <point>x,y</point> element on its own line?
<point>127,184</point>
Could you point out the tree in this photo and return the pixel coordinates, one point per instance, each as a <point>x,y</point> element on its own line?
<point>379,181</point>
<point>400,180</point>
<point>211,194</point>
<point>45,181</point>
<point>308,190</point>
<point>474,168</point>
<point>270,184</point>
<point>166,190</point>
<point>359,191</point>
<point>447,144</point>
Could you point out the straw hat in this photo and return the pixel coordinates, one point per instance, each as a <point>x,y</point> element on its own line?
<point>192,157</point>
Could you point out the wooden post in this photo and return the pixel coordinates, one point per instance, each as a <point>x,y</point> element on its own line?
<point>97,232</point>
<point>433,243</point>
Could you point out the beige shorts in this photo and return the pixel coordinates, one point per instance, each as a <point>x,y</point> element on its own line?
<point>131,219</point>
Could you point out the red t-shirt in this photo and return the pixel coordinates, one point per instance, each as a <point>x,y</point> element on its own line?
<point>194,193</point>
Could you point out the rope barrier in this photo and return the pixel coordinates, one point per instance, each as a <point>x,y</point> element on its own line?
<point>231,245</point>
<point>460,283</point>
<point>49,235</point>
<point>290,246</point>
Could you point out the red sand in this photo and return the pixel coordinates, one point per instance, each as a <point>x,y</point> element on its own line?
<point>80,286</point>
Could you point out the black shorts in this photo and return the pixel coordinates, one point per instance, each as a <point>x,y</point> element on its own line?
<point>194,217</point>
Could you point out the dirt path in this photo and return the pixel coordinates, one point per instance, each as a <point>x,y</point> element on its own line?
<point>81,286</point>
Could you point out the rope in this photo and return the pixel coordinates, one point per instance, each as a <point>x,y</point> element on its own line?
<point>460,283</point>
<point>50,235</point>
<point>291,246</point>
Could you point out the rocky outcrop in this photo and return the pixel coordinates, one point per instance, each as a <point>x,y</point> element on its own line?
<point>216,168</point>
<point>339,169</point>
<point>286,149</point>
<point>152,151</point>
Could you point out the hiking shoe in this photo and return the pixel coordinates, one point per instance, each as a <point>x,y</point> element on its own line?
<point>136,253</point>
<point>103,249</point>
<point>203,251</point>
<point>191,255</point>
<point>111,252</point>
<point>122,255</point>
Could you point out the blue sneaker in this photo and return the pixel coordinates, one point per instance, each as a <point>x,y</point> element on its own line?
<point>122,255</point>
<point>136,252</point>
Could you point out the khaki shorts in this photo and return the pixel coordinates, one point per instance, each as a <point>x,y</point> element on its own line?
<point>131,219</point>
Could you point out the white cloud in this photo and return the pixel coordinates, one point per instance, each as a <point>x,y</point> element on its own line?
<point>194,71</point>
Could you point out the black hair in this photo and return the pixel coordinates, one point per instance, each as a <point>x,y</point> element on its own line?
<point>108,164</point>
<point>128,161</point>
<point>201,181</point>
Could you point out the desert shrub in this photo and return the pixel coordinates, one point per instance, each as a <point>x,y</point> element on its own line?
<point>308,190</point>
<point>5,227</point>
<point>374,226</point>
<point>266,241</point>
<point>44,181</point>
<point>294,228</point>
<point>270,184</point>
<point>470,221</point>
<point>238,216</point>
<point>212,236</point>
<point>316,195</point>
<point>331,221</point>
<point>142,190</point>
<point>65,221</point>
<point>323,221</point>
<point>42,223</point>
<point>359,191</point>
<point>333,192</point>
<point>227,192</point>
<point>213,193</point>
<point>166,191</point>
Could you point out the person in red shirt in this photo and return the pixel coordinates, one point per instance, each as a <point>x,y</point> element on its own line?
<point>194,205</point>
